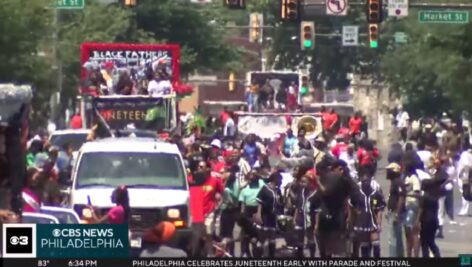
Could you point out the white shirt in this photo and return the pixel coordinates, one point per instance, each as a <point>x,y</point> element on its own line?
<point>425,157</point>
<point>159,88</point>
<point>351,163</point>
<point>230,128</point>
<point>464,165</point>
<point>291,90</point>
<point>287,178</point>
<point>402,119</point>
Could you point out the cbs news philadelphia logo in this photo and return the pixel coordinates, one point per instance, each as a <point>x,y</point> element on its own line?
<point>19,241</point>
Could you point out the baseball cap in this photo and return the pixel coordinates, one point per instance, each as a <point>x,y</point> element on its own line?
<point>216,143</point>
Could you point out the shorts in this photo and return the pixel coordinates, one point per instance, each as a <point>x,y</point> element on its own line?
<point>228,221</point>
<point>411,214</point>
<point>269,221</point>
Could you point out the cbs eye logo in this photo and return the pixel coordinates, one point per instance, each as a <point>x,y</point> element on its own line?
<point>19,240</point>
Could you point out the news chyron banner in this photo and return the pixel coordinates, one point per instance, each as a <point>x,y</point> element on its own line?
<point>236,262</point>
<point>65,241</point>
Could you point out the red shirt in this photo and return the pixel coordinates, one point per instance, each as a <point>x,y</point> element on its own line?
<point>211,188</point>
<point>343,131</point>
<point>224,116</point>
<point>314,183</point>
<point>355,125</point>
<point>334,118</point>
<point>196,202</point>
<point>326,120</point>
<point>338,149</point>
<point>76,122</point>
<point>367,157</point>
<point>116,215</point>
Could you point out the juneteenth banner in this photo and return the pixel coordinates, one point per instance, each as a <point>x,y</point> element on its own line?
<point>141,113</point>
<point>461,261</point>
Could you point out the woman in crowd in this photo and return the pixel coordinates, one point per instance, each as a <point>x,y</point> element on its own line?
<point>121,212</point>
<point>429,210</point>
<point>270,205</point>
<point>368,204</point>
<point>303,217</point>
<point>249,205</point>
<point>412,205</point>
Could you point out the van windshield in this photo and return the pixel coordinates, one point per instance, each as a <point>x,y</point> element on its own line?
<point>144,170</point>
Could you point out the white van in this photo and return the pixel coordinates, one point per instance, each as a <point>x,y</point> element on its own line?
<point>155,176</point>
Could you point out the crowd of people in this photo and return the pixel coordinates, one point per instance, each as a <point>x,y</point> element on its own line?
<point>320,196</point>
<point>146,78</point>
<point>307,191</point>
<point>273,94</point>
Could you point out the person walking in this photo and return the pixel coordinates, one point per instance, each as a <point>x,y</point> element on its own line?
<point>304,226</point>
<point>270,205</point>
<point>396,209</point>
<point>367,204</point>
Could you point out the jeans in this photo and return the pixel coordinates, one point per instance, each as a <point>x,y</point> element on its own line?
<point>395,239</point>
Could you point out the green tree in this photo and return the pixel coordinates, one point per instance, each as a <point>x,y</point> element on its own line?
<point>192,26</point>
<point>95,23</point>
<point>431,71</point>
<point>25,26</point>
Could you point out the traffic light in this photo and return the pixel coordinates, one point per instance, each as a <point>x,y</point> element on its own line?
<point>307,35</point>
<point>374,35</point>
<point>304,86</point>
<point>290,10</point>
<point>255,27</point>
<point>130,3</point>
<point>235,4</point>
<point>374,11</point>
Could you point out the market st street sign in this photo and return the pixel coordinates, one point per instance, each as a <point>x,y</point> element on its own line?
<point>450,16</point>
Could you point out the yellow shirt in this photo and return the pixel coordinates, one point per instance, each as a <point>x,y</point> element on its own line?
<point>412,185</point>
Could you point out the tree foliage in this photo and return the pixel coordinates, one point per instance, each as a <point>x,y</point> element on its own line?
<point>431,72</point>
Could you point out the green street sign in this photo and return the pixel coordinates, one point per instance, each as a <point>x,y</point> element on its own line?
<point>70,4</point>
<point>449,16</point>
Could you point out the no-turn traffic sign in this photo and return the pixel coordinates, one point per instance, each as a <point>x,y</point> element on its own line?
<point>336,7</point>
<point>398,8</point>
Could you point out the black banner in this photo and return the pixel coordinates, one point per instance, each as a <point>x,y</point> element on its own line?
<point>142,113</point>
<point>232,262</point>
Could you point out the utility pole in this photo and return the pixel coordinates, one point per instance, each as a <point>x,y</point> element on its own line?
<point>57,66</point>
